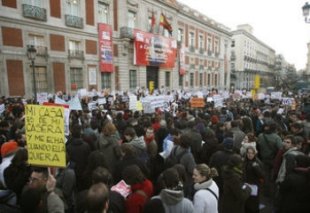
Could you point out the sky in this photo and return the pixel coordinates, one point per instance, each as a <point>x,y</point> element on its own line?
<point>277,23</point>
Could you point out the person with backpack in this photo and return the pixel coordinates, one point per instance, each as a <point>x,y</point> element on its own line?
<point>207,192</point>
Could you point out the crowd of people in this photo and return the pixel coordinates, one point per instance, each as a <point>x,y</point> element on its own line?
<point>209,160</point>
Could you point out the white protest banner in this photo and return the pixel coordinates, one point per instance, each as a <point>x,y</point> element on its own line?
<point>2,108</point>
<point>75,104</point>
<point>83,92</point>
<point>133,102</point>
<point>218,100</point>
<point>92,106</point>
<point>102,101</point>
<point>260,96</point>
<point>287,101</point>
<point>276,95</point>
<point>42,97</point>
<point>59,100</point>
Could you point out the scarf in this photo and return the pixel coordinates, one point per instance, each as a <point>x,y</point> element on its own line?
<point>203,185</point>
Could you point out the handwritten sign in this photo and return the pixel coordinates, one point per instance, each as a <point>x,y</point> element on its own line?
<point>197,102</point>
<point>45,135</point>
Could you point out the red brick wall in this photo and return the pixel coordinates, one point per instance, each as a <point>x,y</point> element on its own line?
<point>89,6</point>
<point>55,8</point>
<point>15,77</point>
<point>12,37</point>
<point>9,3</point>
<point>115,13</point>
<point>115,50</point>
<point>91,47</point>
<point>59,76</point>
<point>57,42</point>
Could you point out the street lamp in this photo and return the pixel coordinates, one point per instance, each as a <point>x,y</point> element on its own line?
<point>305,11</point>
<point>32,53</point>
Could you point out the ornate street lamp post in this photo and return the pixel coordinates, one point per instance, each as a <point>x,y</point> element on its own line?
<point>305,11</point>
<point>32,53</point>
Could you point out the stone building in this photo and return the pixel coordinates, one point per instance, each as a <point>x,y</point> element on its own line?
<point>72,54</point>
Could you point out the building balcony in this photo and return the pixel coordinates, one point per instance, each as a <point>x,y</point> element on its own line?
<point>201,51</point>
<point>41,51</point>
<point>209,52</point>
<point>191,49</point>
<point>126,32</point>
<point>74,21</point>
<point>76,54</point>
<point>34,12</point>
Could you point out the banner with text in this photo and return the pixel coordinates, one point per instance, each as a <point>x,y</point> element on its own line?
<point>105,47</point>
<point>154,50</point>
<point>45,135</point>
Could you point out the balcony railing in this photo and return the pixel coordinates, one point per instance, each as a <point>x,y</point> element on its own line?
<point>34,12</point>
<point>74,21</point>
<point>127,32</point>
<point>41,51</point>
<point>201,51</point>
<point>191,49</point>
<point>77,54</point>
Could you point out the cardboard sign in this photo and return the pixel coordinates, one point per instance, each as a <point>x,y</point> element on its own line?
<point>45,135</point>
<point>197,102</point>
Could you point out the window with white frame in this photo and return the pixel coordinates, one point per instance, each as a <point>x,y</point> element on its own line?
<point>106,80</point>
<point>103,13</point>
<point>200,42</point>
<point>191,79</point>
<point>131,17</point>
<point>167,79</point>
<point>191,39</point>
<point>36,40</point>
<point>73,7</point>
<point>180,35</point>
<point>215,79</point>
<point>217,45</point>
<point>41,79</point>
<point>209,79</point>
<point>132,79</point>
<point>37,3</point>
<point>201,79</point>
<point>74,47</point>
<point>76,77</point>
<point>209,43</point>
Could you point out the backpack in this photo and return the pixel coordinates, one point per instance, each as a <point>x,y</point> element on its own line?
<point>173,158</point>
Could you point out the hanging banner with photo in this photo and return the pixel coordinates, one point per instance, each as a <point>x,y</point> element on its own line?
<point>105,47</point>
<point>154,50</point>
<point>182,60</point>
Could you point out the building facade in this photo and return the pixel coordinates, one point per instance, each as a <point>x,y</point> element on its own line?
<point>69,52</point>
<point>250,58</point>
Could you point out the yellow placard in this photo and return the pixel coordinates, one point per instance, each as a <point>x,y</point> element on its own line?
<point>197,102</point>
<point>45,135</point>
<point>139,106</point>
<point>257,82</point>
<point>151,86</point>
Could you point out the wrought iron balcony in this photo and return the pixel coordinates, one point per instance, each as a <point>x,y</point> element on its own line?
<point>191,49</point>
<point>201,51</point>
<point>127,32</point>
<point>76,54</point>
<point>34,12</point>
<point>41,51</point>
<point>74,21</point>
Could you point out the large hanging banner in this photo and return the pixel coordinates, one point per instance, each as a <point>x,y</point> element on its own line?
<point>45,135</point>
<point>105,47</point>
<point>154,50</point>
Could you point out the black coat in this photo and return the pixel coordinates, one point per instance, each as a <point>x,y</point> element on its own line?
<point>295,192</point>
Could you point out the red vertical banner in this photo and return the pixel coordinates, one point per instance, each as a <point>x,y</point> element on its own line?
<point>105,47</point>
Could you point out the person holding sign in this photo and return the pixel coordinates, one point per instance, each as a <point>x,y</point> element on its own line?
<point>39,195</point>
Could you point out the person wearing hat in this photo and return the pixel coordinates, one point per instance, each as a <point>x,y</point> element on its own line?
<point>8,151</point>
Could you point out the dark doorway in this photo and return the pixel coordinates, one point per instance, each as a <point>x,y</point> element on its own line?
<point>152,76</point>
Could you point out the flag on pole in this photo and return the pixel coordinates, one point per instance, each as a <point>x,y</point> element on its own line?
<point>164,22</point>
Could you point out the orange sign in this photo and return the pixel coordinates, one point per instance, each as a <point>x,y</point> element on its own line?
<point>197,102</point>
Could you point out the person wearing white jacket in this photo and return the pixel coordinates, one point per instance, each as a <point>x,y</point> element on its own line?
<point>207,192</point>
